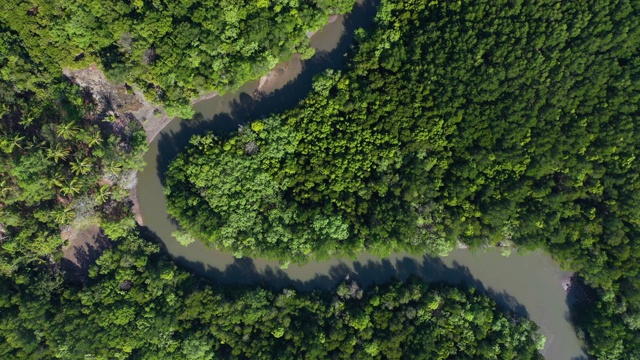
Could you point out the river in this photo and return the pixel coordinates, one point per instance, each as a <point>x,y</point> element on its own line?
<point>530,285</point>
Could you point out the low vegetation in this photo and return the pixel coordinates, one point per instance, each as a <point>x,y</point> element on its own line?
<point>66,164</point>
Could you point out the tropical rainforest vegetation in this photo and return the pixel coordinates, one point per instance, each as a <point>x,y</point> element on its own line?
<point>69,162</point>
<point>484,122</point>
<point>173,51</point>
<point>65,164</point>
<point>510,122</point>
<point>140,305</point>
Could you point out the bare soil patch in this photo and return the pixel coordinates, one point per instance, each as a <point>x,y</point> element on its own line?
<point>83,249</point>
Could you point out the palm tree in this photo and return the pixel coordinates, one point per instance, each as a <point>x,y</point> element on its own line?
<point>5,188</point>
<point>103,194</point>
<point>57,152</point>
<point>70,188</point>
<point>111,118</point>
<point>34,143</point>
<point>8,144</point>
<point>66,130</point>
<point>81,167</point>
<point>113,167</point>
<point>63,216</point>
<point>27,119</point>
<point>3,110</point>
<point>95,139</point>
<point>55,180</point>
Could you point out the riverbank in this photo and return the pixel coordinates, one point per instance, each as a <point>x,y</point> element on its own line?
<point>124,102</point>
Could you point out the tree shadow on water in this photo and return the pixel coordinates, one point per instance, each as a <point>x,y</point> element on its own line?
<point>581,298</point>
<point>245,108</point>
<point>432,270</point>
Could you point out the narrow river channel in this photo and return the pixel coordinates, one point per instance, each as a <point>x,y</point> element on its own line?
<point>530,284</point>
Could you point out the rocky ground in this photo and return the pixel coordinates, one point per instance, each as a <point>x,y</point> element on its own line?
<point>120,100</point>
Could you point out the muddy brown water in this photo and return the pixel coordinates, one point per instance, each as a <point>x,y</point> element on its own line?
<point>529,284</point>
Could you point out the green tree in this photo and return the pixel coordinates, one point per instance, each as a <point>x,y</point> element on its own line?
<point>66,130</point>
<point>57,152</point>
<point>70,188</point>
<point>81,166</point>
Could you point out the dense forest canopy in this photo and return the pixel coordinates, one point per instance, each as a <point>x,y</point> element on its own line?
<point>512,122</point>
<point>453,122</point>
<point>70,161</point>
<point>64,163</point>
<point>485,122</point>
<point>139,305</point>
<point>173,50</point>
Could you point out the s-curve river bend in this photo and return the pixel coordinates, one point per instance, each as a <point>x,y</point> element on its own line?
<point>530,284</point>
